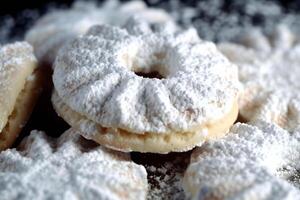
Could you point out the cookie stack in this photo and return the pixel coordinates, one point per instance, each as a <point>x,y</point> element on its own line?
<point>128,78</point>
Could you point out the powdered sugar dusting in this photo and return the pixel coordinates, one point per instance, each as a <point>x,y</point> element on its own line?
<point>269,70</point>
<point>12,55</point>
<point>101,82</point>
<point>69,167</point>
<point>248,164</point>
<point>60,26</point>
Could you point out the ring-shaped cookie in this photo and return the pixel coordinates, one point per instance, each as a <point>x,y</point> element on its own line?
<point>101,76</point>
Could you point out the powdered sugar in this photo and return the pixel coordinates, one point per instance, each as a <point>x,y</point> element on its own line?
<point>269,70</point>
<point>12,55</point>
<point>247,164</point>
<point>58,27</point>
<point>101,82</point>
<point>69,167</point>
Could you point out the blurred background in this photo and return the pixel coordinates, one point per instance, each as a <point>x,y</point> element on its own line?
<point>216,20</point>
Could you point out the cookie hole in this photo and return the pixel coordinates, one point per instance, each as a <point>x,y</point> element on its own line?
<point>152,66</point>
<point>153,74</point>
<point>154,71</point>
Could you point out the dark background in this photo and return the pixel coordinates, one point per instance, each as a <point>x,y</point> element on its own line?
<point>13,7</point>
<point>214,18</point>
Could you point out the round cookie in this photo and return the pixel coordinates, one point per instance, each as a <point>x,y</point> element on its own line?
<point>255,161</point>
<point>69,167</point>
<point>21,83</point>
<point>60,26</point>
<point>269,69</point>
<point>145,88</point>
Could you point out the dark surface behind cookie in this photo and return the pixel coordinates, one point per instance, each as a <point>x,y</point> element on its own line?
<point>215,19</point>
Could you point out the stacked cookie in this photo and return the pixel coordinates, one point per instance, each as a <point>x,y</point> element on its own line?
<point>129,79</point>
<point>102,87</point>
<point>21,82</point>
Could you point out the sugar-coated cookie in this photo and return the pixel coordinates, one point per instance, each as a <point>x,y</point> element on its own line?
<point>255,161</point>
<point>145,88</point>
<point>69,167</point>
<point>21,82</point>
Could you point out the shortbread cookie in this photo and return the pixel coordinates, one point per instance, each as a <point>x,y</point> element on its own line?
<point>69,167</point>
<point>20,86</point>
<point>253,162</point>
<point>56,28</point>
<point>269,68</point>
<point>106,77</point>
